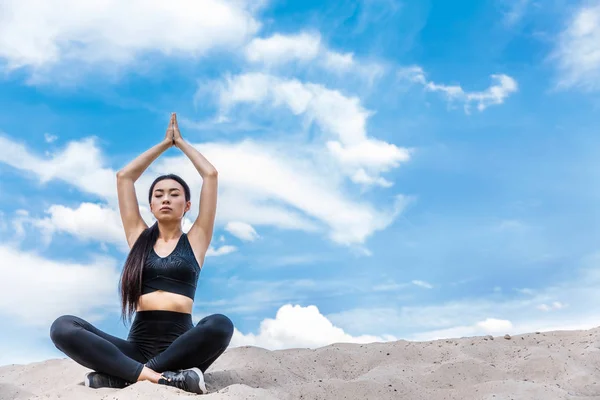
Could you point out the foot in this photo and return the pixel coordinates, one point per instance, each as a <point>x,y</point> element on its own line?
<point>96,380</point>
<point>190,380</point>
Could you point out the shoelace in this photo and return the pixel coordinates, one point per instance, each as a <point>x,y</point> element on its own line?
<point>177,380</point>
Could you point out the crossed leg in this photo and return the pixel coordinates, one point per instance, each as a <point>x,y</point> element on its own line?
<point>198,347</point>
<point>95,349</point>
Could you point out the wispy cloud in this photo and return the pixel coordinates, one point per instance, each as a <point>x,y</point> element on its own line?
<point>422,284</point>
<point>307,48</point>
<point>520,311</point>
<point>242,231</point>
<point>494,95</point>
<point>577,53</point>
<point>514,11</point>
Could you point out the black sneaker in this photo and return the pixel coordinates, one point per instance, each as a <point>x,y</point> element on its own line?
<point>96,380</point>
<point>190,380</point>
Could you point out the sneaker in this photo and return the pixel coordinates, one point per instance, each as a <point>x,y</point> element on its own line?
<point>96,380</point>
<point>190,380</point>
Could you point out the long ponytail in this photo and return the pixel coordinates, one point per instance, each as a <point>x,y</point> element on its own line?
<point>131,276</point>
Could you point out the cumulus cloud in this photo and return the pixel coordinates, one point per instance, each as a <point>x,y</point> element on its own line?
<point>342,120</point>
<point>577,53</point>
<point>42,35</point>
<point>242,231</point>
<point>495,94</point>
<point>295,326</point>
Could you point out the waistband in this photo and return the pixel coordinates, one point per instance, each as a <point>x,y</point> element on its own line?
<point>162,315</point>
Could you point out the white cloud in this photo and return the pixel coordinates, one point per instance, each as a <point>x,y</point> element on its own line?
<point>389,286</point>
<point>264,198</point>
<point>489,326</point>
<point>577,53</point>
<point>220,251</point>
<point>555,305</point>
<point>295,326</point>
<point>66,287</point>
<point>79,164</point>
<point>495,94</point>
<point>422,284</point>
<point>94,222</point>
<point>341,118</point>
<point>42,35</point>
<point>280,49</point>
<point>87,222</point>
<point>263,195</point>
<point>50,138</point>
<point>307,48</point>
<point>254,296</point>
<point>520,311</point>
<point>242,231</point>
<point>514,11</point>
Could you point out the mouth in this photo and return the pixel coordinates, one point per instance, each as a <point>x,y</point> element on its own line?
<point>165,209</point>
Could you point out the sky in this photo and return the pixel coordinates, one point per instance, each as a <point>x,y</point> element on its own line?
<point>416,169</point>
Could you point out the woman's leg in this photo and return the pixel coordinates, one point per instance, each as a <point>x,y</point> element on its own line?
<point>198,347</point>
<point>97,350</point>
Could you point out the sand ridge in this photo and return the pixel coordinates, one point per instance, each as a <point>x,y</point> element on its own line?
<point>548,365</point>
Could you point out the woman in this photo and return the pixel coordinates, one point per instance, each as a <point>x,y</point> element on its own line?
<point>158,281</point>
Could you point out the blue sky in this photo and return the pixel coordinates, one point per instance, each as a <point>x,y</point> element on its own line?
<point>388,169</point>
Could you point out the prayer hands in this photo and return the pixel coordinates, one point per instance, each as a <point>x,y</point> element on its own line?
<point>173,135</point>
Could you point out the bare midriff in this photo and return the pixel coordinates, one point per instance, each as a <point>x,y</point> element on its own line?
<point>161,300</point>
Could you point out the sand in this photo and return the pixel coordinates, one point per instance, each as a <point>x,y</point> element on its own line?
<point>547,365</point>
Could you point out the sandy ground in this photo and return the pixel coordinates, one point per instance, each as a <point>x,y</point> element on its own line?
<point>548,365</point>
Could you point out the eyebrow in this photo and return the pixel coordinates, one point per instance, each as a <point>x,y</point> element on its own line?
<point>162,190</point>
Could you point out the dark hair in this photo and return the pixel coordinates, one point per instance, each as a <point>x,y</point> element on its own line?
<point>131,277</point>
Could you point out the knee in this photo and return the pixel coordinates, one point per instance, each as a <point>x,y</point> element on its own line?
<point>219,324</point>
<point>62,328</point>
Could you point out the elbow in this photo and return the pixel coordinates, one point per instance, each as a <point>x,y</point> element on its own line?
<point>122,175</point>
<point>211,174</point>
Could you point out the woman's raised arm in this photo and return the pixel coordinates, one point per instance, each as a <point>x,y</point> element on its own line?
<point>200,234</point>
<point>133,222</point>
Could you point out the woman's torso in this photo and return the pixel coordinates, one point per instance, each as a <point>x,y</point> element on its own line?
<point>163,300</point>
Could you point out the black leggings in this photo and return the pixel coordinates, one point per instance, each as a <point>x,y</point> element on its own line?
<point>161,340</point>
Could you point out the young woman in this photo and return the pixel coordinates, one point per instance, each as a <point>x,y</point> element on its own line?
<point>158,282</point>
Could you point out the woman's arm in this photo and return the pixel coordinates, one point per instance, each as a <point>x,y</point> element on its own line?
<point>200,234</point>
<point>133,223</point>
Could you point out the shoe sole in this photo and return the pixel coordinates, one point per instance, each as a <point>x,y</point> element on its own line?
<point>201,383</point>
<point>87,380</point>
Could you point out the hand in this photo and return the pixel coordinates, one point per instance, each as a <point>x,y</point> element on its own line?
<point>176,133</point>
<point>170,135</point>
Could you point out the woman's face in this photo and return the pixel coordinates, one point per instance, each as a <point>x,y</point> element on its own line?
<point>168,201</point>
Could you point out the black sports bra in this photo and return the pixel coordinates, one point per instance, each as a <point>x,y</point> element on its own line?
<point>176,273</point>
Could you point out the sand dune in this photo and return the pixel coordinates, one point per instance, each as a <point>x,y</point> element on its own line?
<point>548,365</point>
